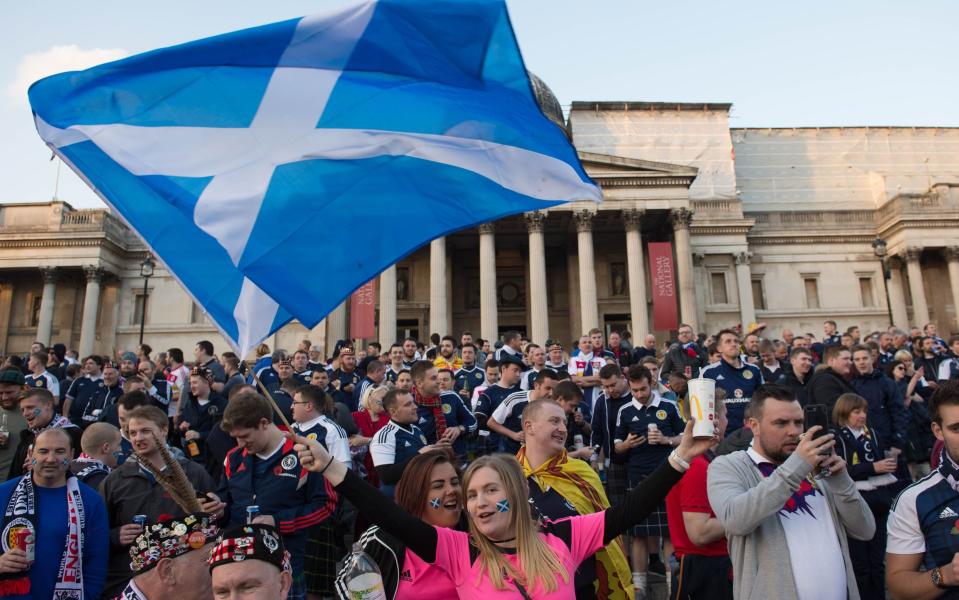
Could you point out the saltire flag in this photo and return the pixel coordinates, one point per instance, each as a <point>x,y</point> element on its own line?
<point>274,170</point>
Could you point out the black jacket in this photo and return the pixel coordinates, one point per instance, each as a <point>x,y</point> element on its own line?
<point>887,413</point>
<point>799,388</point>
<point>129,491</point>
<point>678,359</point>
<point>826,386</point>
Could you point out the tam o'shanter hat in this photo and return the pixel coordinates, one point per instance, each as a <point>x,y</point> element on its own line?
<point>170,539</point>
<point>251,542</point>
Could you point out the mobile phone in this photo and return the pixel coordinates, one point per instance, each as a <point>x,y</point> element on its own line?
<point>816,414</point>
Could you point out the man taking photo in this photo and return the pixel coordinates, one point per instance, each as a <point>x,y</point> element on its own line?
<point>787,531</point>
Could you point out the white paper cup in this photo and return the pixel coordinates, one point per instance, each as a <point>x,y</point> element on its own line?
<point>702,406</point>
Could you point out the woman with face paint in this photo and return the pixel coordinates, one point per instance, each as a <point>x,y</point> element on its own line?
<point>506,554</point>
<point>429,490</point>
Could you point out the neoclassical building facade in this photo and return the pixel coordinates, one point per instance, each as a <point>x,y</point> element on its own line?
<point>766,225</point>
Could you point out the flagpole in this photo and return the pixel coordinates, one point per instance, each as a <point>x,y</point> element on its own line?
<point>273,403</point>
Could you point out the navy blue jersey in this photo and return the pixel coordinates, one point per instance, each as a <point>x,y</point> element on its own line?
<point>358,390</point>
<point>739,384</point>
<point>268,377</point>
<point>924,520</point>
<point>636,418</point>
<point>295,498</point>
<point>396,443</point>
<point>469,378</point>
<point>303,376</point>
<point>488,401</point>
<point>346,379</point>
<point>391,375</point>
<point>455,413</point>
<point>81,392</point>
<point>509,414</point>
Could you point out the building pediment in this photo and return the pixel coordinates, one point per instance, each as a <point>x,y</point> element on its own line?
<point>620,171</point>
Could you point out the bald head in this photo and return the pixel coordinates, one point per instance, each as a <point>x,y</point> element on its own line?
<point>98,435</point>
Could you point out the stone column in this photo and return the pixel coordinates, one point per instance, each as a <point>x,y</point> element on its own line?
<point>680,219</point>
<point>438,323</point>
<point>920,310</point>
<point>635,269</point>
<point>336,326</point>
<point>387,329</point>
<point>91,307</point>
<point>744,281</point>
<point>897,294</point>
<point>952,262</point>
<point>489,317</point>
<point>538,304</point>
<point>45,323</point>
<point>587,269</point>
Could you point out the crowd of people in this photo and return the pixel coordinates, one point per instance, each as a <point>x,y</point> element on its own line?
<point>464,468</point>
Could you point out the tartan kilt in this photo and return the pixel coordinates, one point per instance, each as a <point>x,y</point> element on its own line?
<point>320,560</point>
<point>616,484</point>
<point>656,523</point>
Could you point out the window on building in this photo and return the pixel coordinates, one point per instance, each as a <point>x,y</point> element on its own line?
<point>35,310</point>
<point>138,303</point>
<point>866,292</point>
<point>759,294</point>
<point>717,282</point>
<point>196,313</point>
<point>811,284</point>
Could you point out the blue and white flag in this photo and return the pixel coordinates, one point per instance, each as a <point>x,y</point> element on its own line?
<point>274,170</point>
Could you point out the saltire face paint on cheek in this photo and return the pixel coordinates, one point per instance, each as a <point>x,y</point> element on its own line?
<point>435,503</point>
<point>502,506</point>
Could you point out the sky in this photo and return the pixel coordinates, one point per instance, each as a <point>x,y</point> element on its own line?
<point>815,63</point>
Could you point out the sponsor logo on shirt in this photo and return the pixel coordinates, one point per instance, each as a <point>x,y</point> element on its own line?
<point>948,513</point>
<point>406,576</point>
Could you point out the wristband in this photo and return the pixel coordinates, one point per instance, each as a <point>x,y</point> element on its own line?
<point>678,460</point>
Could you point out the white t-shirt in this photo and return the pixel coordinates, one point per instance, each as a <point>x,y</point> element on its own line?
<point>814,552</point>
<point>179,379</point>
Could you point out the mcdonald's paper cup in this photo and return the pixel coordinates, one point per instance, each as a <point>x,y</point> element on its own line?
<point>702,406</point>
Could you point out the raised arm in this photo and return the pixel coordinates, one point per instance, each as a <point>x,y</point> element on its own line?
<point>372,504</point>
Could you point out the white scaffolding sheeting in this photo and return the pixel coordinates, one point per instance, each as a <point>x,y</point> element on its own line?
<point>841,168</point>
<point>684,136</point>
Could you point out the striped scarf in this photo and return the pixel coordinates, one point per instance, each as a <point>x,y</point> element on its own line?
<point>436,404</point>
<point>576,481</point>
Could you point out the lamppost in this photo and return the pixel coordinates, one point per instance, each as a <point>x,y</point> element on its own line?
<point>879,248</point>
<point>146,272</point>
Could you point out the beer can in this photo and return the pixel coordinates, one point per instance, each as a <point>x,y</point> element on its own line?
<point>702,406</point>
<point>26,541</point>
<point>252,512</point>
<point>140,520</point>
<point>578,441</point>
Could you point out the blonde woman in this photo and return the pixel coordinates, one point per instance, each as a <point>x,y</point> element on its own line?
<point>369,419</point>
<point>506,554</point>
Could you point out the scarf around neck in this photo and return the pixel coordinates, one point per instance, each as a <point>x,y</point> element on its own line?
<point>58,422</point>
<point>576,481</point>
<point>949,470</point>
<point>21,514</point>
<point>434,403</point>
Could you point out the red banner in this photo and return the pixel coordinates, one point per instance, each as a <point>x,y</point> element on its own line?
<point>665,315</point>
<point>363,312</point>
